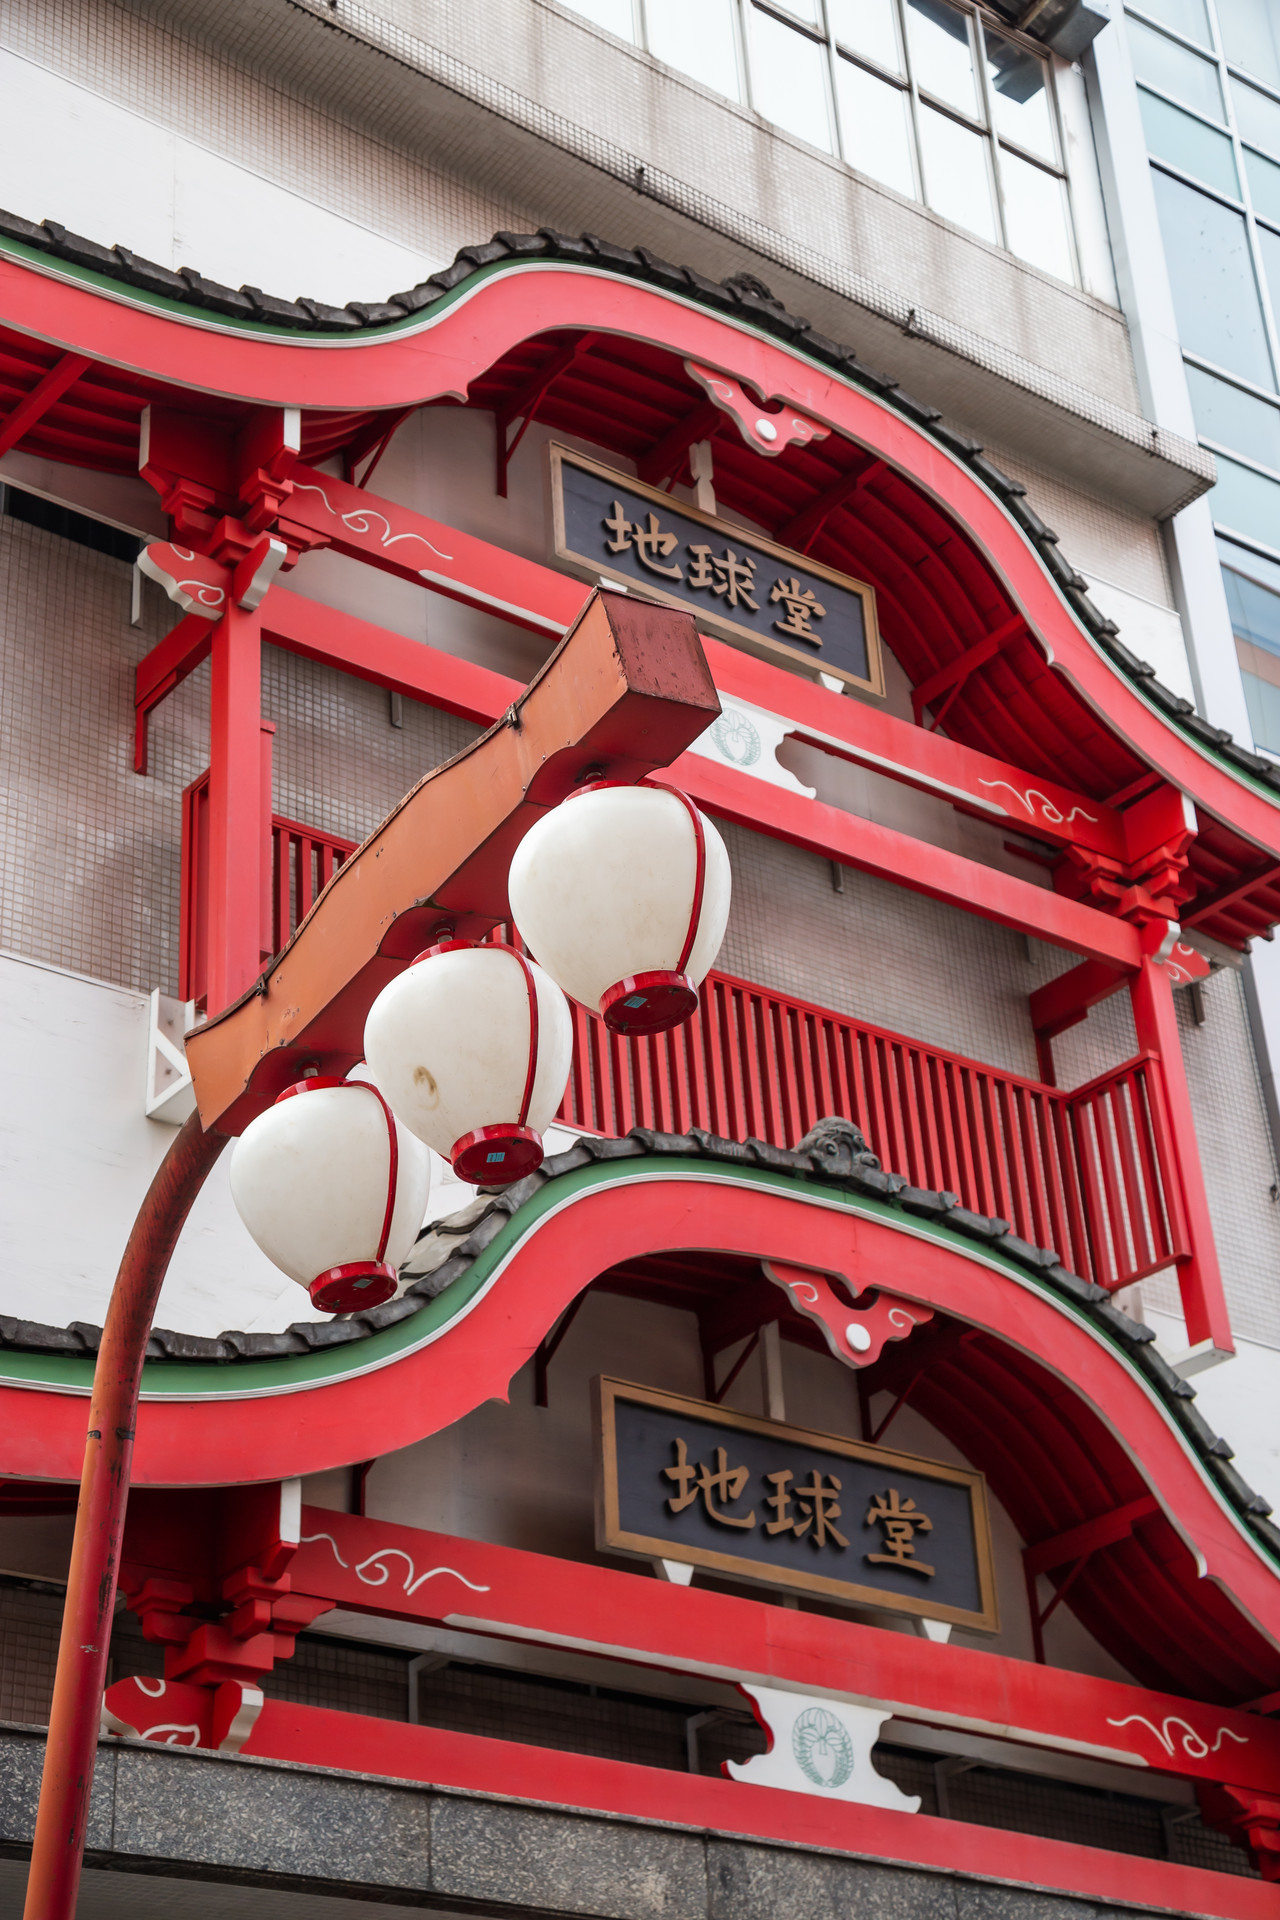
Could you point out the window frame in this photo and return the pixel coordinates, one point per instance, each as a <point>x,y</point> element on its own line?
<point>979,21</point>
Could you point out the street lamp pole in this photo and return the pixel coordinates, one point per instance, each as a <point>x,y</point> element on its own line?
<point>58,1850</point>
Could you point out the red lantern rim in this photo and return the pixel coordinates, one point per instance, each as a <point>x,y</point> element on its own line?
<point>648,1002</point>
<point>310,1085</point>
<point>360,1283</point>
<point>449,946</point>
<point>496,1156</point>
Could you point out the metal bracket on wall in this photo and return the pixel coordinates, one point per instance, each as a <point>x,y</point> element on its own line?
<point>170,1096</point>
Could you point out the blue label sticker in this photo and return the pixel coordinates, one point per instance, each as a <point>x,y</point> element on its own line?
<point>636,1000</point>
<point>491,1157</point>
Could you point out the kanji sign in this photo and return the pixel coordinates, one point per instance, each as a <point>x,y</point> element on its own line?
<point>741,586</point>
<point>755,1500</point>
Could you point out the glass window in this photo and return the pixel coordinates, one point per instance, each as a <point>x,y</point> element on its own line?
<point>1263,702</point>
<point>1235,419</point>
<point>1161,63</point>
<point>1020,96</point>
<point>875,127</point>
<point>807,10</point>
<point>1264,185</point>
<point>1255,611</point>
<point>1211,275</point>
<point>1184,16</point>
<point>1251,36</point>
<point>957,173</point>
<point>1247,502</point>
<point>869,27</point>
<point>1035,215</point>
<point>1254,566</point>
<point>941,55</point>
<point>614,14</point>
<point>1269,248</point>
<point>697,37</point>
<point>1257,116</point>
<point>789,80</point>
<point>1186,143</point>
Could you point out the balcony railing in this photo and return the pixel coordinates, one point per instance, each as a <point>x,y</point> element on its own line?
<point>1091,1172</point>
<point>303,861</point>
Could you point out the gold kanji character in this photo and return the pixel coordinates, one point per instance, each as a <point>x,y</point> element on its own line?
<point>819,1505</point>
<point>729,576</point>
<point>902,1521</point>
<point>802,606</point>
<point>725,1484</point>
<point>645,540</point>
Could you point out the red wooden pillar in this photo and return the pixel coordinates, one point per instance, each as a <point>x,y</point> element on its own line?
<point>239,834</point>
<point>1204,1305</point>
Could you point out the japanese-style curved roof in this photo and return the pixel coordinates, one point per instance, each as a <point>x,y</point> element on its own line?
<point>1061,1400</point>
<point>880,497</point>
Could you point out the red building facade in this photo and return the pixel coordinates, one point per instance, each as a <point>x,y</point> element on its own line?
<point>828,1227</point>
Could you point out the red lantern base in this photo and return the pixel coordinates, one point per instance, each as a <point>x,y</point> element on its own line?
<point>648,1002</point>
<point>495,1156</point>
<point>361,1283</point>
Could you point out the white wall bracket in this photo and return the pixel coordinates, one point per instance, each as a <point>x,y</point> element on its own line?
<point>821,1747</point>
<point>170,1096</point>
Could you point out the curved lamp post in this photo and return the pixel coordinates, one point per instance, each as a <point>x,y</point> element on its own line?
<point>625,692</point>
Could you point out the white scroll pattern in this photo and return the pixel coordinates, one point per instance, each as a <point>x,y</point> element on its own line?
<point>360,520</point>
<point>381,1571</point>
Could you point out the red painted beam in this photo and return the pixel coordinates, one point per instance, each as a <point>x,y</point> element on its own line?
<point>482,1588</point>
<point>164,668</point>
<point>317,632</point>
<point>472,1763</point>
<point>46,393</point>
<point>1089,1537</point>
<point>415,547</point>
<point>897,857</point>
<point>1065,1001</point>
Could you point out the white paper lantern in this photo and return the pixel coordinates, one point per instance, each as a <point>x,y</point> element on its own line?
<point>472,1046</point>
<point>623,894</point>
<point>332,1190</point>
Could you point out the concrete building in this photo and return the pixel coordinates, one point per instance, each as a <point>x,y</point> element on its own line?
<point>927,354</point>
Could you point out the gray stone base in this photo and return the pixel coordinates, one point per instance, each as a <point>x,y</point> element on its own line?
<point>172,1832</point>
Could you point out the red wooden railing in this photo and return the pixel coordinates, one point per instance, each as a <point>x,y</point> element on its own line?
<point>1092,1172</point>
<point>303,861</point>
<point>302,864</point>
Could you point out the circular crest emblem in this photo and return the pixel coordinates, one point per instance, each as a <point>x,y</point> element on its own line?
<point>822,1747</point>
<point>737,739</point>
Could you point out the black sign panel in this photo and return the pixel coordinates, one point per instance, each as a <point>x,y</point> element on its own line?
<point>739,585</point>
<point>756,1500</point>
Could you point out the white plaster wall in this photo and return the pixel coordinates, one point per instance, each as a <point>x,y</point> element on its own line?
<point>122,179</point>
<point>76,1156</point>
<point>1151,631</point>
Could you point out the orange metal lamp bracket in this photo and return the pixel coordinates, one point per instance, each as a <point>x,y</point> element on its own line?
<point>626,691</point>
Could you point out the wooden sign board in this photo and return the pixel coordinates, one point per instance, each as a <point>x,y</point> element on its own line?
<point>740,586</point>
<point>776,1505</point>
